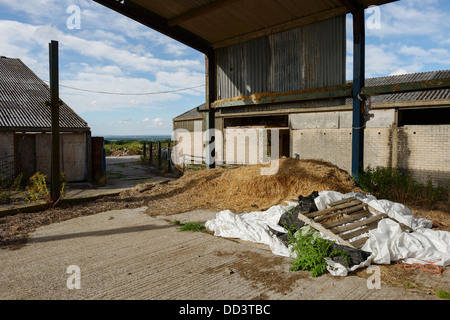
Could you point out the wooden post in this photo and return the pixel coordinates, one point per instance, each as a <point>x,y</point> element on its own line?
<point>168,154</point>
<point>159,154</point>
<point>144,151</point>
<point>150,156</point>
<point>55,184</point>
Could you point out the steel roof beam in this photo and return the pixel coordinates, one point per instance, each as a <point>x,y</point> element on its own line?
<point>352,5</point>
<point>199,11</point>
<point>158,23</point>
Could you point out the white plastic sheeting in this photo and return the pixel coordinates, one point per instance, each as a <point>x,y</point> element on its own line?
<point>386,243</point>
<point>251,226</point>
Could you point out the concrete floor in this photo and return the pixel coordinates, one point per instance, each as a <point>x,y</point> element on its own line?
<point>125,254</point>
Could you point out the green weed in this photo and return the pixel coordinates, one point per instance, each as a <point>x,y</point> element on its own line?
<point>38,191</point>
<point>399,186</point>
<point>310,250</point>
<point>192,226</point>
<point>443,294</point>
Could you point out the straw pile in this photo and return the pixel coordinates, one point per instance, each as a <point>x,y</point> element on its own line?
<point>244,188</point>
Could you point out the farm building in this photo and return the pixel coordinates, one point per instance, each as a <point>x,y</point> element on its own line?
<point>281,64</point>
<point>25,127</point>
<point>408,130</point>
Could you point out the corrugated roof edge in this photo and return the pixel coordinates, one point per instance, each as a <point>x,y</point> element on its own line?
<point>410,96</point>
<point>84,125</point>
<point>65,104</point>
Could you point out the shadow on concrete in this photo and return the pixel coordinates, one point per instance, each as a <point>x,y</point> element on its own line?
<point>99,233</point>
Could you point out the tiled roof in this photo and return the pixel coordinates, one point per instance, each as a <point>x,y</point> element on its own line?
<point>23,98</point>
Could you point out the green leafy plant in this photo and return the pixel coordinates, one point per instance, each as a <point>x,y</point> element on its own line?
<point>310,250</point>
<point>38,191</point>
<point>192,226</point>
<point>311,253</point>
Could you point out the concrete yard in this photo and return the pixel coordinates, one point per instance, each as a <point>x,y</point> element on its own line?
<point>128,255</point>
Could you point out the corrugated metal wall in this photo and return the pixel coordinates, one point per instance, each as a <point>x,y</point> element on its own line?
<point>308,57</point>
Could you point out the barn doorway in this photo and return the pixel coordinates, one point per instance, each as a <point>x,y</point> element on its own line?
<point>279,122</point>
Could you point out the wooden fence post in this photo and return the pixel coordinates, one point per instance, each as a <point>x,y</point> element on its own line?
<point>151,153</point>
<point>144,151</point>
<point>168,154</point>
<point>159,154</point>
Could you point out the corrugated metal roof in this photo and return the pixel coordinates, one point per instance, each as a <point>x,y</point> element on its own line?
<point>427,95</point>
<point>193,113</point>
<point>409,96</point>
<point>221,23</point>
<point>23,98</point>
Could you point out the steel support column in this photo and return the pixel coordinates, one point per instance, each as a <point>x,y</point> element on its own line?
<point>359,46</point>
<point>55,185</point>
<point>211,85</point>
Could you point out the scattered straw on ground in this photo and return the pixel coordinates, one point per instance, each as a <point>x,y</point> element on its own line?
<point>244,188</point>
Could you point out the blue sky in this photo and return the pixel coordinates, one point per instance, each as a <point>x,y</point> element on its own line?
<point>111,53</point>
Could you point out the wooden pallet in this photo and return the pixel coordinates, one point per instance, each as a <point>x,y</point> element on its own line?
<point>346,219</point>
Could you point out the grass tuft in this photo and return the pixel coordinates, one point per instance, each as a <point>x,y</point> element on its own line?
<point>192,226</point>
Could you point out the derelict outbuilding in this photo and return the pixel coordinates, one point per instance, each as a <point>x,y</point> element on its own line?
<point>25,127</point>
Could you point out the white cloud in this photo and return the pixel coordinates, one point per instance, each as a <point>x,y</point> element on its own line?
<point>400,71</point>
<point>94,65</point>
<point>412,38</point>
<point>126,121</point>
<point>412,18</point>
<point>159,122</point>
<point>431,55</point>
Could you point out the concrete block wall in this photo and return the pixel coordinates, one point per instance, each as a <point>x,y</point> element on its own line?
<point>328,136</point>
<point>425,151</point>
<point>333,145</point>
